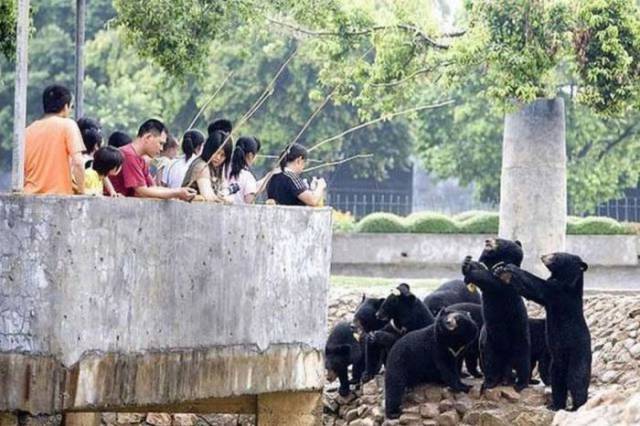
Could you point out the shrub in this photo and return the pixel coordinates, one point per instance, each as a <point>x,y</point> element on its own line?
<point>481,223</point>
<point>381,223</point>
<point>461,217</point>
<point>431,223</point>
<point>343,221</point>
<point>595,225</point>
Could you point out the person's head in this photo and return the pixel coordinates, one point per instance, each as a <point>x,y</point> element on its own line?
<point>107,161</point>
<point>212,149</point>
<point>151,137</point>
<point>57,99</point>
<point>170,148</point>
<point>192,143</point>
<point>244,154</point>
<point>294,158</point>
<point>91,132</point>
<point>119,139</point>
<point>221,124</point>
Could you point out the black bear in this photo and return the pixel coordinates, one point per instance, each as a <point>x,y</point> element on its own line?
<point>472,352</point>
<point>405,310</point>
<point>378,335</point>
<point>341,351</point>
<point>567,331</point>
<point>504,338</point>
<point>540,354</point>
<point>450,293</point>
<point>428,355</point>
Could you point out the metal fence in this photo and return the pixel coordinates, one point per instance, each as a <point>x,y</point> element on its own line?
<point>362,202</point>
<point>625,209</point>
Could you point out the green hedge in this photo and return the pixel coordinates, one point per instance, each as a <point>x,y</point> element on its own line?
<point>479,222</point>
<point>381,223</point>
<point>431,223</point>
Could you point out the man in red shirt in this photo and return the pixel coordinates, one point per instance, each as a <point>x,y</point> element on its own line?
<point>134,180</point>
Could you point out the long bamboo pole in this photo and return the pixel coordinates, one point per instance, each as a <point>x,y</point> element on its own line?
<point>20,97</point>
<point>211,98</point>
<point>80,33</point>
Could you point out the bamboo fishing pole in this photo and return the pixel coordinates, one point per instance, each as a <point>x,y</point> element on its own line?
<point>337,162</point>
<point>206,104</point>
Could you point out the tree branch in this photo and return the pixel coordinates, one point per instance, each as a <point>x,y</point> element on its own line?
<point>410,76</point>
<point>404,27</point>
<point>629,131</point>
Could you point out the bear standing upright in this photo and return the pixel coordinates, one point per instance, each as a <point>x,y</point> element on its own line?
<point>504,339</point>
<point>567,331</point>
<point>428,355</point>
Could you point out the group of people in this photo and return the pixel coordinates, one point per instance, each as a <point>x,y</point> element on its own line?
<point>65,157</point>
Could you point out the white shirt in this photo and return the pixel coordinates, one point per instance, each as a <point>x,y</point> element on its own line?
<point>173,175</point>
<point>247,183</point>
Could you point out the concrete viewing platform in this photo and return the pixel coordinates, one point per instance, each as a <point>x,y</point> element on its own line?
<point>144,305</point>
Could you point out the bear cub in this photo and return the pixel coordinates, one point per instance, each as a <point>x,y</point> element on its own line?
<point>341,351</point>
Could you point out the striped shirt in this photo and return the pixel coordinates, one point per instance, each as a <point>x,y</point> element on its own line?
<point>285,187</point>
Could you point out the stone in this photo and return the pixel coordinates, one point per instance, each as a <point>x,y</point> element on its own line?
<point>429,410</point>
<point>109,418</point>
<point>362,422</point>
<point>369,399</point>
<point>413,409</point>
<point>410,419</point>
<point>330,404</point>
<point>351,415</point>
<point>532,397</point>
<point>393,422</point>
<point>185,419</point>
<point>533,418</point>
<point>491,419</point>
<point>448,418</point>
<point>493,394</point>
<point>475,392</point>
<point>432,394</point>
<point>635,350</point>
<point>344,400</point>
<point>8,419</point>
<point>472,417</point>
<point>362,410</point>
<point>159,419</point>
<point>509,393</point>
<point>377,414</point>
<point>129,418</point>
<point>445,405</point>
<point>429,422</point>
<point>370,388</point>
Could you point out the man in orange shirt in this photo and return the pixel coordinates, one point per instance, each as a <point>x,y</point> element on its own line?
<point>53,148</point>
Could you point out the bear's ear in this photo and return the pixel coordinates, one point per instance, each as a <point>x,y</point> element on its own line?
<point>584,266</point>
<point>518,243</point>
<point>404,289</point>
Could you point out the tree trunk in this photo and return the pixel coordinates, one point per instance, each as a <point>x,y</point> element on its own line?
<point>533,190</point>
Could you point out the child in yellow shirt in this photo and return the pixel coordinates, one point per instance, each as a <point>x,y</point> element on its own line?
<point>107,161</point>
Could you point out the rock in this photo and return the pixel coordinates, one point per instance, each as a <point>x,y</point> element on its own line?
<point>608,376</point>
<point>448,418</point>
<point>445,405</point>
<point>475,392</point>
<point>429,423</point>
<point>129,418</point>
<point>344,400</point>
<point>491,419</point>
<point>509,393</point>
<point>534,418</point>
<point>493,394</point>
<point>362,422</point>
<point>351,415</point>
<point>370,388</point>
<point>185,419</point>
<point>532,397</point>
<point>108,418</point>
<point>369,399</point>
<point>410,419</point>
<point>472,417</point>
<point>462,404</point>
<point>635,350</point>
<point>330,404</point>
<point>362,410</point>
<point>429,410</point>
<point>393,422</point>
<point>159,419</point>
<point>432,394</point>
<point>413,409</point>
<point>377,414</point>
<point>8,419</point>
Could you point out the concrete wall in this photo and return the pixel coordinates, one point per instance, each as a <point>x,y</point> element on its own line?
<point>143,302</point>
<point>613,260</point>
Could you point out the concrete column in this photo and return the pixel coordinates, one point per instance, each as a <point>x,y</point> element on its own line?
<point>290,409</point>
<point>80,30</point>
<point>20,100</point>
<point>533,191</point>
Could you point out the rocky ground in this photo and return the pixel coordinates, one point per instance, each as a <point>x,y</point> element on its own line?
<point>614,321</point>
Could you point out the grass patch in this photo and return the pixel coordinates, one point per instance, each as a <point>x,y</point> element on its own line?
<point>348,282</point>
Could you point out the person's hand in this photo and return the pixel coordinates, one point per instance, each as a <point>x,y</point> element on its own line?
<point>186,194</point>
<point>115,195</point>
<point>321,184</point>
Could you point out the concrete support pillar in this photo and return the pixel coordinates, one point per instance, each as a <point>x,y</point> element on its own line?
<point>81,419</point>
<point>533,191</point>
<point>20,99</point>
<point>80,32</point>
<point>289,409</point>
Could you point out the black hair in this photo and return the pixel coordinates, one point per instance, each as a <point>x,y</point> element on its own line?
<point>119,139</point>
<point>190,142</point>
<point>220,124</point>
<point>291,153</point>
<point>154,126</point>
<point>91,132</point>
<point>106,159</point>
<point>170,143</point>
<point>245,145</point>
<point>213,143</point>
<point>55,98</point>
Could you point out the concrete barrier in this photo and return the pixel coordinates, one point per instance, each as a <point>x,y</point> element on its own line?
<point>126,304</point>
<point>613,259</point>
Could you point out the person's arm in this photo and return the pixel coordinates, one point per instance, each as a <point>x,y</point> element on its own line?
<point>77,171</point>
<point>185,194</point>
<point>250,187</point>
<point>313,198</point>
<point>205,188</point>
<point>109,187</point>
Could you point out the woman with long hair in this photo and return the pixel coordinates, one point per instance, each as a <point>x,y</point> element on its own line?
<point>192,143</point>
<point>242,182</point>
<point>206,174</point>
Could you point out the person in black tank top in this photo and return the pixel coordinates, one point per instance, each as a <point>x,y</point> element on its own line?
<point>287,188</point>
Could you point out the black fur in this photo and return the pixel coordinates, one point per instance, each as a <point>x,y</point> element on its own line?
<point>504,339</point>
<point>567,331</point>
<point>472,352</point>
<point>341,351</point>
<point>407,312</point>
<point>450,293</point>
<point>428,355</point>
<point>540,354</point>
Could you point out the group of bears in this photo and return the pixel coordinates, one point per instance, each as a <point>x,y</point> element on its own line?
<point>426,341</point>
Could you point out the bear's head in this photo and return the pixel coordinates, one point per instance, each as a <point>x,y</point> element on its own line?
<point>455,329</point>
<point>336,358</point>
<point>436,302</point>
<point>498,250</point>
<point>397,305</point>
<point>365,319</point>
<point>564,266</point>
